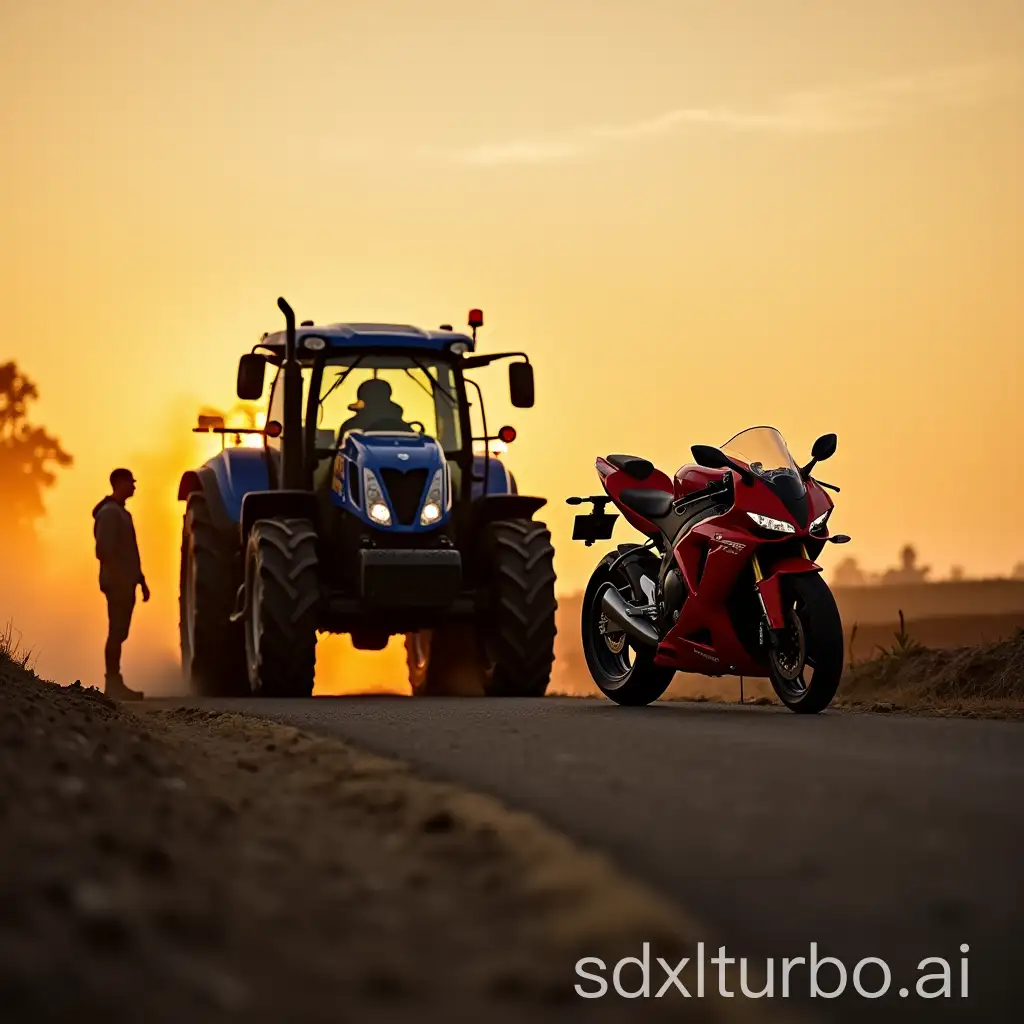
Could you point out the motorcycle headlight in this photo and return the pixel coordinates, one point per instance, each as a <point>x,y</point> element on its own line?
<point>819,523</point>
<point>373,495</point>
<point>434,505</point>
<point>767,523</point>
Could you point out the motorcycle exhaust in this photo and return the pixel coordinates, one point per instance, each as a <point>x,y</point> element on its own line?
<point>617,612</point>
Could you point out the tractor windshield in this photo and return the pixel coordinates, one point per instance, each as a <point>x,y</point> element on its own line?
<point>385,392</point>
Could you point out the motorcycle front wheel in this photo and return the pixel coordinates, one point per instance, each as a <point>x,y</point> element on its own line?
<point>806,667</point>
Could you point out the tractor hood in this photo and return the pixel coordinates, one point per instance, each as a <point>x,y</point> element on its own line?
<point>404,451</point>
<point>407,469</point>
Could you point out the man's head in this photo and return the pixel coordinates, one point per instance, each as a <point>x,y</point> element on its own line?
<point>122,484</point>
<point>372,394</point>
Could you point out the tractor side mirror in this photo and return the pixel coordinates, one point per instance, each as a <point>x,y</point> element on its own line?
<point>520,385</point>
<point>824,448</point>
<point>251,370</point>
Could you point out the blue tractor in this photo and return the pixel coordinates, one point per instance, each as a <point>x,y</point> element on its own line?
<point>368,509</point>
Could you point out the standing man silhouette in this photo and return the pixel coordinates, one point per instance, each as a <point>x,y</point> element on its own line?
<point>120,574</point>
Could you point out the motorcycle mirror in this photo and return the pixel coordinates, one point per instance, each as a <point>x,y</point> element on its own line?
<point>824,448</point>
<point>714,458</point>
<point>708,457</point>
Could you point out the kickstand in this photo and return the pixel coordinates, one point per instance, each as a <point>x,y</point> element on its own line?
<point>741,689</point>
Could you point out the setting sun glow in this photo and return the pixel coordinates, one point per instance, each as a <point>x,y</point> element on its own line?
<point>694,217</point>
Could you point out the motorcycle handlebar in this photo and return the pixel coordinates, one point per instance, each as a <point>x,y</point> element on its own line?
<point>821,483</point>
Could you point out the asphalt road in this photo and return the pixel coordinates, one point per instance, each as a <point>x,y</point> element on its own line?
<point>873,835</point>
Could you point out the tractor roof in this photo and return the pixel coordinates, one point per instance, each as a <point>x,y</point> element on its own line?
<point>360,336</point>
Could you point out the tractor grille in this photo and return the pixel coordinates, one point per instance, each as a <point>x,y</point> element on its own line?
<point>353,483</point>
<point>405,491</point>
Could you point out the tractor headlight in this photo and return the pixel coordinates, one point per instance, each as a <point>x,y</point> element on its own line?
<point>767,523</point>
<point>376,504</point>
<point>819,523</point>
<point>432,507</point>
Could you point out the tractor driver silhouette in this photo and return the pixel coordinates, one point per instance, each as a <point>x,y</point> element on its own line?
<point>374,409</point>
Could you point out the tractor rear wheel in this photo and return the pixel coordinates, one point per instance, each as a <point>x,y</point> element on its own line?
<point>282,607</point>
<point>212,646</point>
<point>417,659</point>
<point>446,662</point>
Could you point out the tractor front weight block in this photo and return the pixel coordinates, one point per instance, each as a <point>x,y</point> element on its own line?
<point>409,578</point>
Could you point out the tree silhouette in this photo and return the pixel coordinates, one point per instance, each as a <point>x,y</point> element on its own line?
<point>27,454</point>
<point>908,571</point>
<point>848,573</point>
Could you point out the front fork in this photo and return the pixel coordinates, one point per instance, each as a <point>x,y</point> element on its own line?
<point>769,593</point>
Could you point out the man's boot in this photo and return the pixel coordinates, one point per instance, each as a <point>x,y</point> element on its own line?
<point>115,689</point>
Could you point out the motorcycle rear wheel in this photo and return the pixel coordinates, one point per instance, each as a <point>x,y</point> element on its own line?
<point>806,671</point>
<point>624,672</point>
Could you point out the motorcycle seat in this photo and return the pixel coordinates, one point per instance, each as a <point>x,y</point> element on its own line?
<point>636,467</point>
<point>650,504</point>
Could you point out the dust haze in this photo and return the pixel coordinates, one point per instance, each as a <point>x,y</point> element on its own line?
<point>50,593</point>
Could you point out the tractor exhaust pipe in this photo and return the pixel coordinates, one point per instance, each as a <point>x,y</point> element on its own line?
<point>291,436</point>
<point>617,612</point>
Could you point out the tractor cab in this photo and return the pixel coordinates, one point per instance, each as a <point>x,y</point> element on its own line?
<point>374,401</point>
<point>388,401</point>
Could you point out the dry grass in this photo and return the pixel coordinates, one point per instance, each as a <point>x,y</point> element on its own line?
<point>13,654</point>
<point>988,678</point>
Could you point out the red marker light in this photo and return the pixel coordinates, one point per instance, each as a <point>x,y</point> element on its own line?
<point>507,434</point>
<point>476,318</point>
<point>273,429</point>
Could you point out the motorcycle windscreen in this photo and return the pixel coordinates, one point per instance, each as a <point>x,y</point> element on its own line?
<point>765,452</point>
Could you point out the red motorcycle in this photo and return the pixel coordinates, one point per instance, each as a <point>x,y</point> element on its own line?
<point>726,582</point>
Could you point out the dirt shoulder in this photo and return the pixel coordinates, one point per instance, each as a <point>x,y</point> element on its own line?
<point>189,865</point>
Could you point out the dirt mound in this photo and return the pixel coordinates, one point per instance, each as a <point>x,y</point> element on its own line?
<point>192,865</point>
<point>965,679</point>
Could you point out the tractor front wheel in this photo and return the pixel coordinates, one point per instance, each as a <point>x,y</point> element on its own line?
<point>519,620</point>
<point>282,607</point>
<point>509,650</point>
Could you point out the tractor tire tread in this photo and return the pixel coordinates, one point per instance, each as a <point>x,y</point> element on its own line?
<point>521,638</point>
<point>284,553</point>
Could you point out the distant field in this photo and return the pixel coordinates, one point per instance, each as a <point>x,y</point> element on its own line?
<point>921,601</point>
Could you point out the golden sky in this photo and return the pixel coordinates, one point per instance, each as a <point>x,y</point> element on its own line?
<point>695,216</point>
